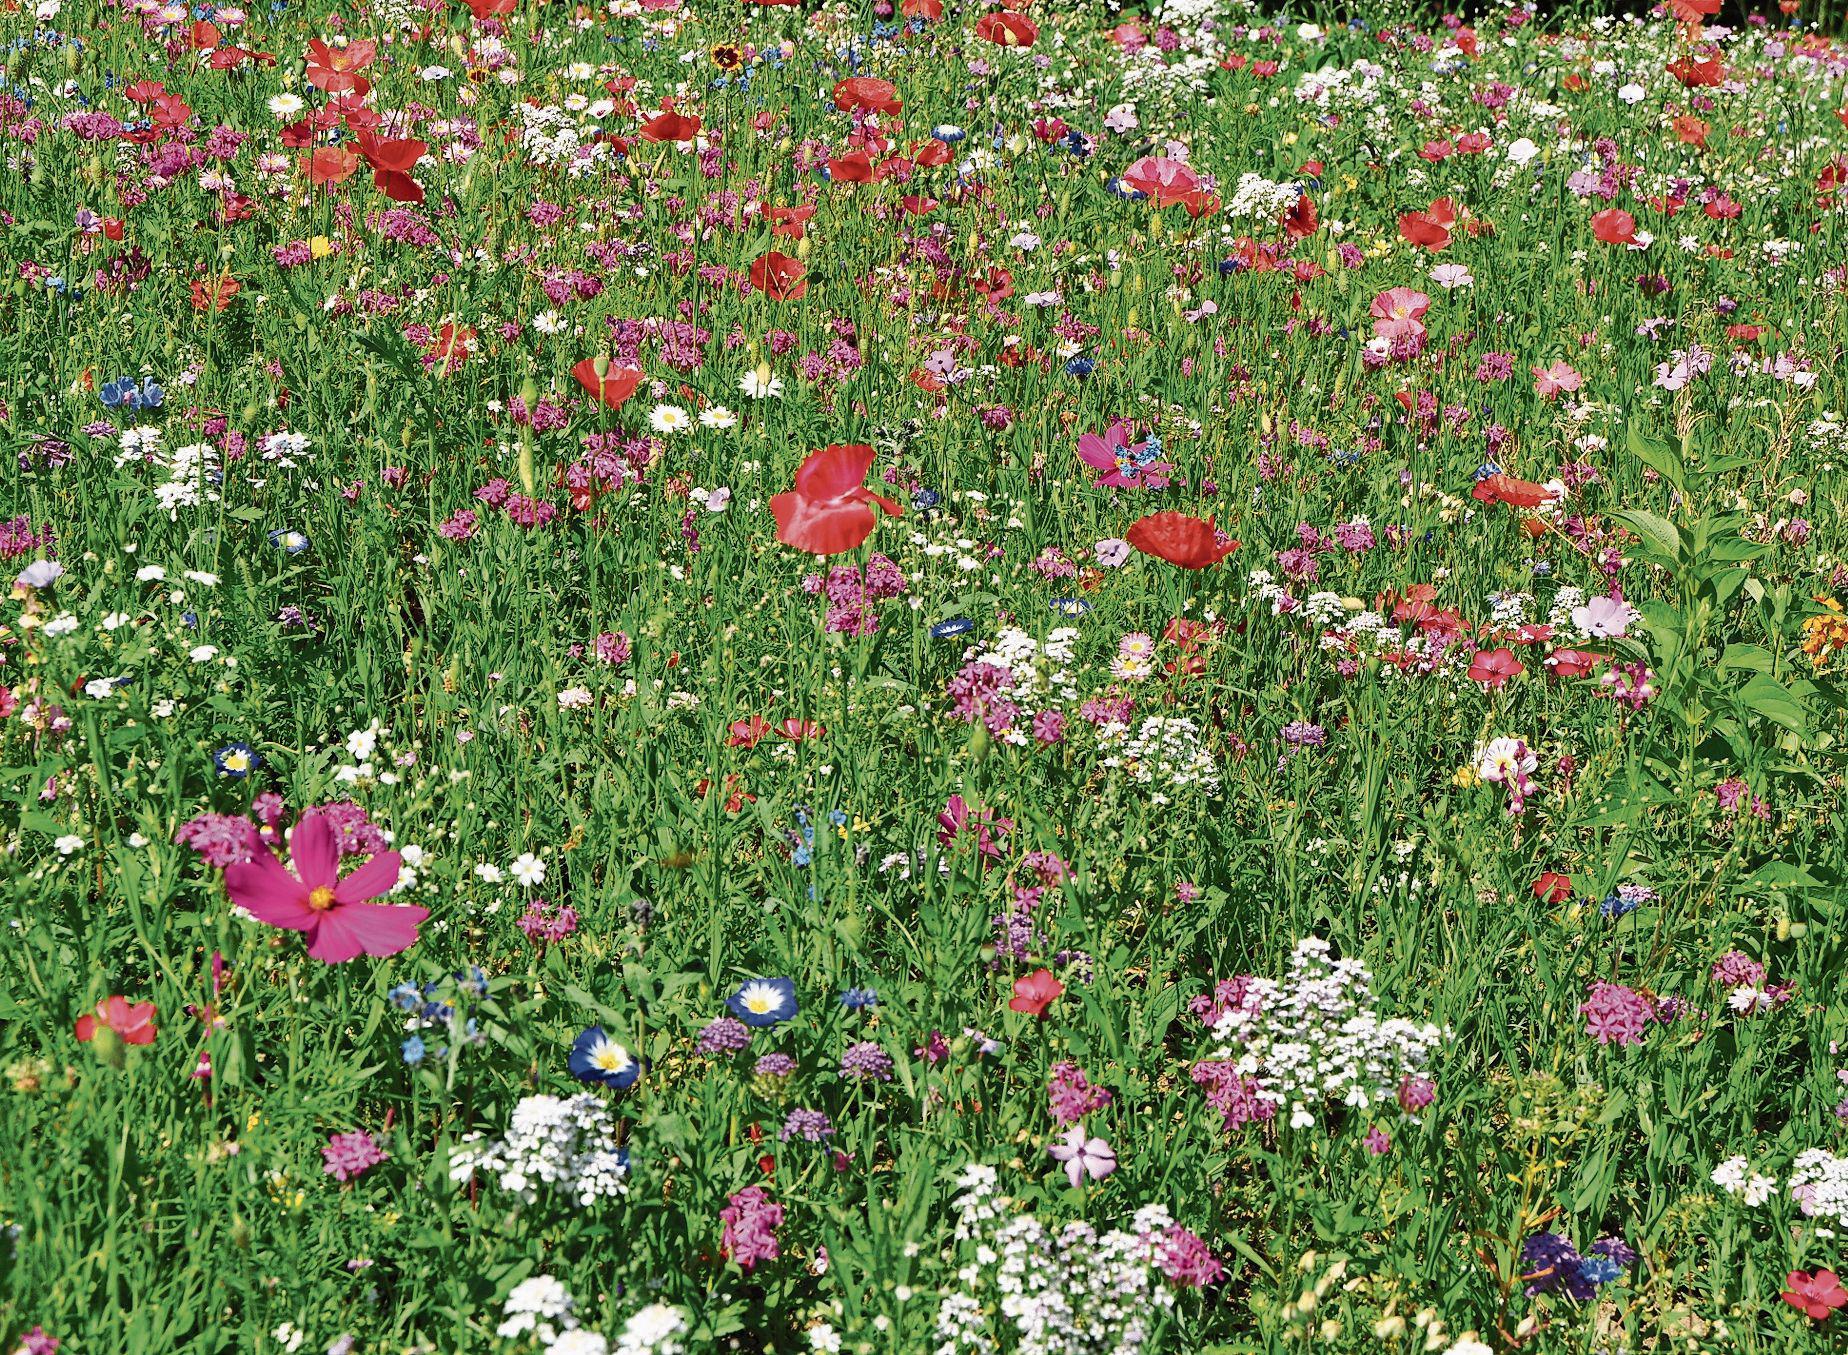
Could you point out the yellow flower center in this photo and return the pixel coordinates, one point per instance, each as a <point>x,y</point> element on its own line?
<point>321,899</point>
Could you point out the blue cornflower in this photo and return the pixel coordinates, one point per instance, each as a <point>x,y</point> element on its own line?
<point>293,542</point>
<point>1080,367</point>
<point>858,999</point>
<point>1070,606</point>
<point>955,625</point>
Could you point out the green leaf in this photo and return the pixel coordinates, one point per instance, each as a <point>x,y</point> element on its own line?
<point>1657,532</point>
<point>1768,697</point>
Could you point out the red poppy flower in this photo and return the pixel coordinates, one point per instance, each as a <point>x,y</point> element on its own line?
<point>1493,667</point>
<point>1552,887</point>
<point>1815,1296</point>
<point>746,733</point>
<point>1430,229</point>
<point>145,91</point>
<point>1191,543</point>
<point>1514,492</point>
<point>799,731</point>
<point>1007,29</point>
<point>1035,992</point>
<point>863,91</point>
<point>669,126</point>
<point>922,9</point>
<point>336,70</point>
<point>611,385</point>
<point>391,163</point>
<point>930,154</point>
<point>1691,131</point>
<point>853,167</point>
<point>779,277</point>
<point>203,36</point>
<point>790,222</point>
<point>1165,180</point>
<point>1698,72</point>
<point>1300,222</point>
<point>488,9</point>
<point>133,1021</point>
<point>1614,226</point>
<point>451,347</point>
<point>918,206</point>
<point>330,164</point>
<point>830,510</point>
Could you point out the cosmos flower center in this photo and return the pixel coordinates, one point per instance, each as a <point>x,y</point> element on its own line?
<point>321,899</point>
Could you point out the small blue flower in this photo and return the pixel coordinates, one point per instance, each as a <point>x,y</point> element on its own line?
<point>1070,606</point>
<point>236,760</point>
<point>598,1059</point>
<point>955,625</point>
<point>859,999</point>
<point>1080,367</point>
<point>291,541</point>
<point>1488,468</point>
<point>1117,188</point>
<point>406,997</point>
<point>948,133</point>
<point>763,1002</point>
<point>1598,1269</point>
<point>412,1049</point>
<point>922,499</point>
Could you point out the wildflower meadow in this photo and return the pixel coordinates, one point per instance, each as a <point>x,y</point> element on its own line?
<point>935,676</point>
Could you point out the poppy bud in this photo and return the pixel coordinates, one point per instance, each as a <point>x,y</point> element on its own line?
<point>73,57</point>
<point>529,392</point>
<point>109,1047</point>
<point>526,463</point>
<point>601,365</point>
<point>802,248</point>
<point>979,742</point>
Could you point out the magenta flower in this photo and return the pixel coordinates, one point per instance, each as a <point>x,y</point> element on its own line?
<point>1124,466</point>
<point>332,912</point>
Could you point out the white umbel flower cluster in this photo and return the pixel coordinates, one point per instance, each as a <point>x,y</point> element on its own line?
<point>1316,1036</point>
<point>562,1145</point>
<point>1037,1291</point>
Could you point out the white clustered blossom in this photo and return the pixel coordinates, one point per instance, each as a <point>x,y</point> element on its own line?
<point>1735,1177</point>
<point>1042,672</point>
<point>568,1145</point>
<point>1819,1183</point>
<point>654,1330</point>
<point>1167,750</point>
<point>1261,199</point>
<point>1316,1036</point>
<point>541,1305</point>
<point>1036,1291</point>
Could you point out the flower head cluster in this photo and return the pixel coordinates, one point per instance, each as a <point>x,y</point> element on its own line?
<point>1067,1290</point>
<point>1315,1036</point>
<point>566,1146</point>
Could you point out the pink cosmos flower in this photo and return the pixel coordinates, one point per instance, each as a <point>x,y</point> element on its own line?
<point>1555,380</point>
<point>332,912</point>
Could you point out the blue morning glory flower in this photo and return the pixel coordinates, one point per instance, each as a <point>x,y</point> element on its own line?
<point>763,1002</point>
<point>596,1058</point>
